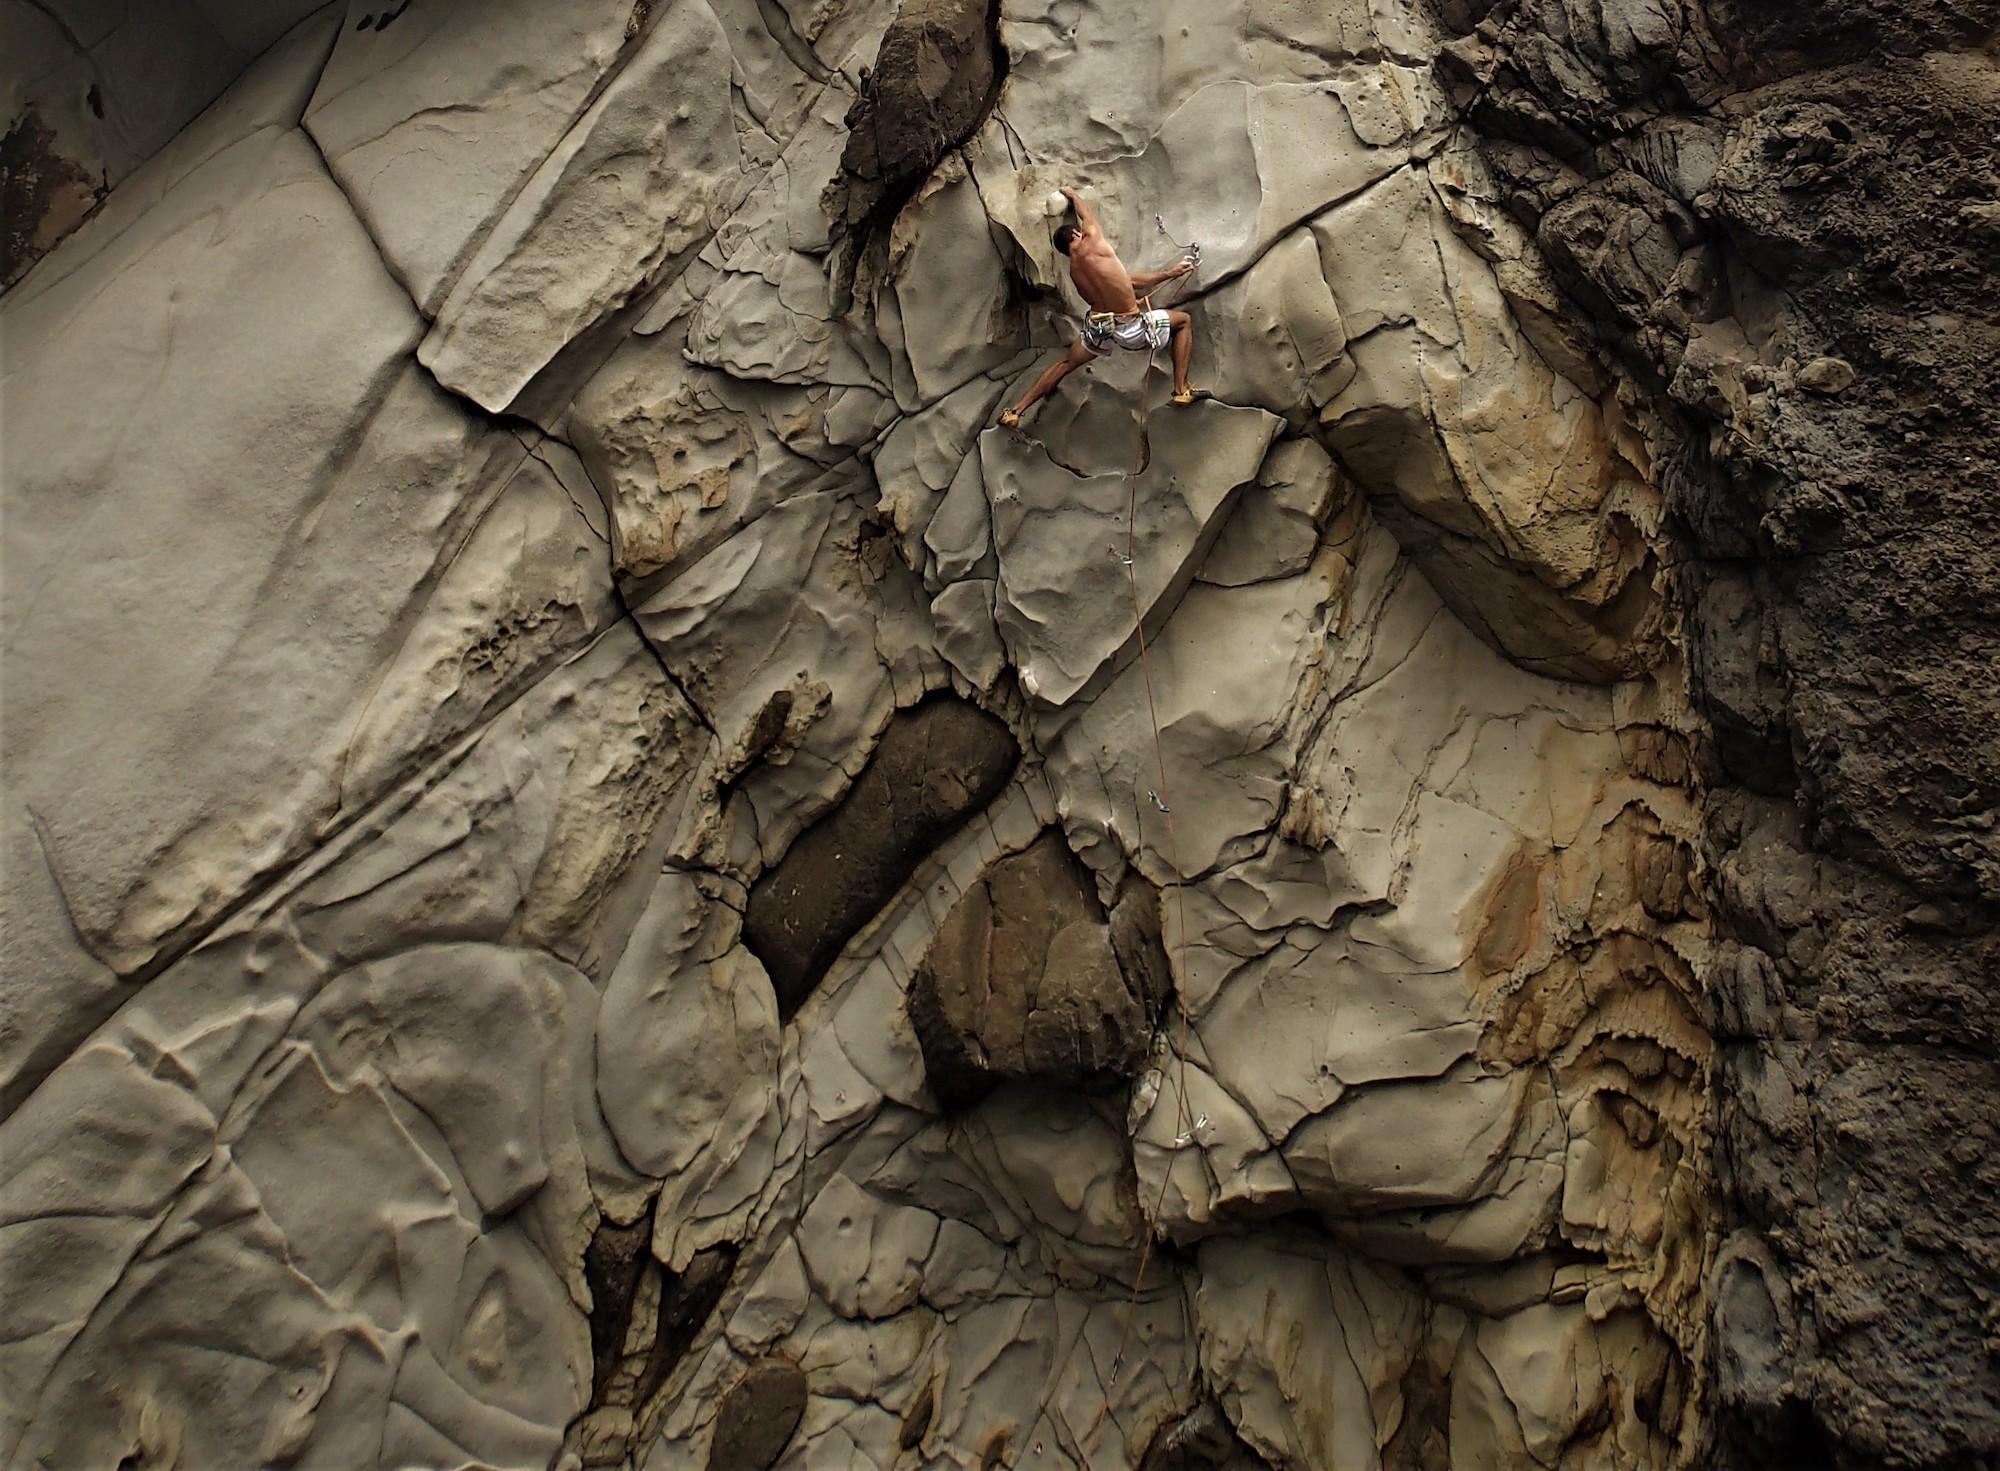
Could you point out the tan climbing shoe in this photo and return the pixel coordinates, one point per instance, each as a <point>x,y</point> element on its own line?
<point>1010,418</point>
<point>1183,397</point>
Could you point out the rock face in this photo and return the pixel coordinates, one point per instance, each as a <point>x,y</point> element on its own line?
<point>935,766</point>
<point>935,77</point>
<point>93,91</point>
<point>1780,221</point>
<point>1023,981</point>
<point>600,872</point>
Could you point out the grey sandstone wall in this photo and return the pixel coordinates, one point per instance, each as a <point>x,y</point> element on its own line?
<point>587,873</point>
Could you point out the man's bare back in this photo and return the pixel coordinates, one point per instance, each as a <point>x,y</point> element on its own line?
<point>1101,278</point>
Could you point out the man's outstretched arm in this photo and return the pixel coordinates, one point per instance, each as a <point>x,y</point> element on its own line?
<point>1086,218</point>
<point>1147,280</point>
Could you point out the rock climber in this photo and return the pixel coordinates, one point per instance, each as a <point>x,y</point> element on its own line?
<point>1120,316</point>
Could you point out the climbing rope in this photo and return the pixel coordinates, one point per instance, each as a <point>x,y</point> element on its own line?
<point>1163,800</point>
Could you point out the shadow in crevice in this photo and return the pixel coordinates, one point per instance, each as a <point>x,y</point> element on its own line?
<point>938,763</point>
<point>643,1320</point>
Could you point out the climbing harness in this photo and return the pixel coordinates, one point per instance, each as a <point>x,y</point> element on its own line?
<point>1149,327</point>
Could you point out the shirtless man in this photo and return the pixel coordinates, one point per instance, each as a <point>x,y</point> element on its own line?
<point>1118,316</point>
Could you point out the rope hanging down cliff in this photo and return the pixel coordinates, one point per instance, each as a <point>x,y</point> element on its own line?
<point>1184,1129</point>
<point>1122,317</point>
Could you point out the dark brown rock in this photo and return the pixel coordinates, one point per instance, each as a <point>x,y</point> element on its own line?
<point>43,196</point>
<point>1201,1440</point>
<point>612,1264</point>
<point>917,1419</point>
<point>686,1300</point>
<point>935,79</point>
<point>1819,360</point>
<point>1023,981</point>
<point>1423,1440</point>
<point>937,764</point>
<point>1136,941</point>
<point>758,1413</point>
<point>631,1359</point>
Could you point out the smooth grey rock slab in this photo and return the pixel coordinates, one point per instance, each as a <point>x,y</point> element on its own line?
<point>1065,603</point>
<point>431,116</point>
<point>628,188</point>
<point>255,499</point>
<point>1275,527</point>
<point>687,1061</point>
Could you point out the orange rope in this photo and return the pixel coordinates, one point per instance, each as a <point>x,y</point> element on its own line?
<point>1166,804</point>
<point>1165,801</point>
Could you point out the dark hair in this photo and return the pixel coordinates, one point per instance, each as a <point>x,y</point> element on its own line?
<point>1066,236</point>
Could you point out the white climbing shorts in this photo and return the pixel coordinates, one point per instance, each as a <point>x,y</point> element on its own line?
<point>1135,332</point>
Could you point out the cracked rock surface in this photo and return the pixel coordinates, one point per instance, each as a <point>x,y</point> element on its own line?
<point>1023,980</point>
<point>601,872</point>
<point>1779,224</point>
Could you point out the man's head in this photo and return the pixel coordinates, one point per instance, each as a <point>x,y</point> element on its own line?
<point>1066,234</point>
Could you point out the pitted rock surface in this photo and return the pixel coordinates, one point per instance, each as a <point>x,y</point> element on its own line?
<point>936,765</point>
<point>1784,247</point>
<point>757,1416</point>
<point>1023,981</point>
<point>600,871</point>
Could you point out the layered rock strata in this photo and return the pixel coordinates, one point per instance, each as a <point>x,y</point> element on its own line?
<point>589,878</point>
<point>1781,223</point>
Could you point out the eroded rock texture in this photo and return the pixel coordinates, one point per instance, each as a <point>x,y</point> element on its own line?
<point>1024,980</point>
<point>588,866</point>
<point>1781,220</point>
<point>935,766</point>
